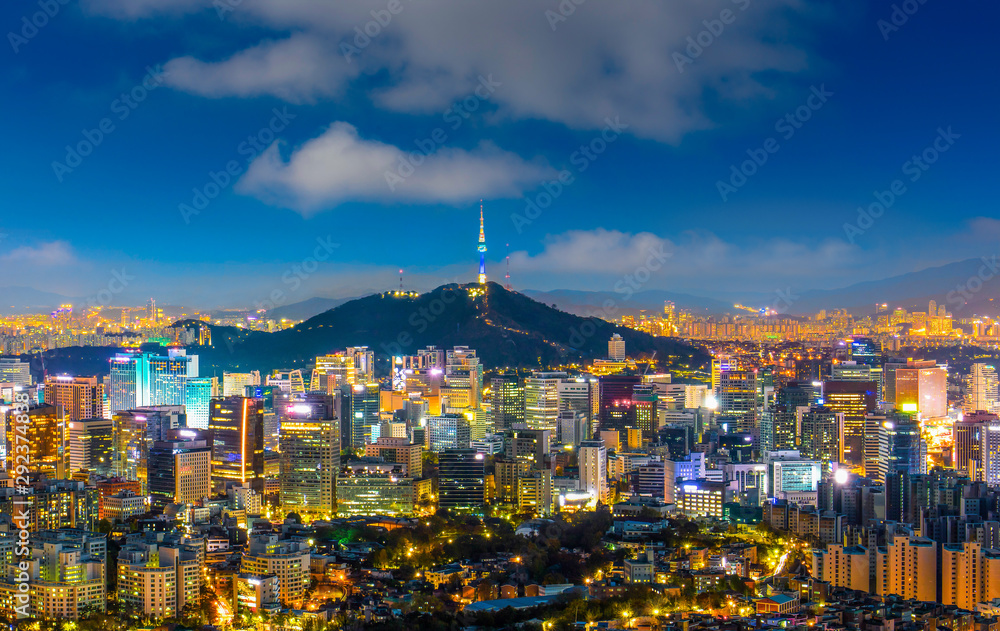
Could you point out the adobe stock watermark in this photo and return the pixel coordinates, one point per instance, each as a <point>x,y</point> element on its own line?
<point>364,34</point>
<point>963,292</point>
<point>220,180</point>
<point>455,116</point>
<point>300,272</point>
<point>565,9</point>
<point>118,282</point>
<point>122,107</point>
<point>787,126</point>
<point>627,286</point>
<point>783,301</point>
<point>714,28</point>
<point>898,17</point>
<point>913,169</point>
<point>21,467</point>
<point>581,159</point>
<point>32,25</point>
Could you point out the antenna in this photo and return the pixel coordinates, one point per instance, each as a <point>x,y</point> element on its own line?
<point>508,267</point>
<point>400,280</point>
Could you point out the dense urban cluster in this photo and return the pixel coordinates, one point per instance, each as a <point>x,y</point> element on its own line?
<point>831,485</point>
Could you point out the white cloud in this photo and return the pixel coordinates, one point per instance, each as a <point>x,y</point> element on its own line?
<point>51,254</point>
<point>300,68</point>
<point>606,59</point>
<point>340,166</point>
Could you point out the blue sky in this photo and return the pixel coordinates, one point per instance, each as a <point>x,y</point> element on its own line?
<point>546,86</point>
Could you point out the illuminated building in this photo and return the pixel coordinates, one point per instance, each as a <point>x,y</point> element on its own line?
<point>266,395</point>
<point>364,415</point>
<point>80,397</point>
<point>784,413</point>
<point>256,593</point>
<point>922,387</point>
<point>448,431</point>
<point>616,348</point>
<point>644,410</point>
<point>378,493</point>
<point>593,458</point>
<point>482,248</point>
<point>122,505</point>
<point>534,494</point>
<point>134,431</point>
<point>614,389</point>
<point>65,572</point>
<point>736,395</point>
<point>981,389</point>
<point>853,399</point>
<point>822,434</point>
<point>529,445</point>
<point>507,403</point>
<point>237,426</point>
<point>967,442</point>
<point>790,472</point>
<point>541,400</point>
<point>463,377</point>
<point>46,441</point>
<point>144,379</point>
<point>701,498</point>
<point>197,400</point>
<point>89,445</point>
<point>159,573</point>
<point>235,383</point>
<point>289,381</point>
<point>907,567</point>
<point>52,504</point>
<point>179,472</point>
<point>843,566</point>
<point>989,452</point>
<point>399,450</point>
<point>310,456</point>
<point>461,479</point>
<point>15,371</point>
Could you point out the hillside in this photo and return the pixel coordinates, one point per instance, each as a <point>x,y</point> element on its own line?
<point>505,327</point>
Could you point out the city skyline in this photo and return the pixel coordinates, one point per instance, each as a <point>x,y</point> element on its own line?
<point>854,130</point>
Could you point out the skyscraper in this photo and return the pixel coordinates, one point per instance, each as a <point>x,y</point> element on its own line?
<point>310,456</point>
<point>616,348</point>
<point>237,426</point>
<point>854,399</point>
<point>594,469</point>
<point>461,479</point>
<point>482,248</point>
<point>541,400</point>
<point>179,472</point>
<point>81,397</point>
<point>507,393</point>
<point>981,389</point>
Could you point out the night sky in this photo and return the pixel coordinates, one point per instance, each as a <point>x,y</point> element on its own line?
<point>241,138</point>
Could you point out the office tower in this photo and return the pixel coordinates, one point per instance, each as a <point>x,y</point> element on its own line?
<point>907,448</point>
<point>89,445</point>
<point>237,427</point>
<point>289,560</point>
<point>80,397</point>
<point>448,431</point>
<point>967,442</point>
<point>46,442</point>
<point>64,570</point>
<point>134,431</point>
<point>333,371</point>
<point>310,456</point>
<point>481,248</point>
<point>736,396</point>
<point>981,390</point>
<point>877,428</point>
<point>574,427</point>
<point>788,399</point>
<point>266,396</point>
<point>364,413</point>
<point>179,472</point>
<point>593,458</point>
<point>377,492</point>
<point>159,574</point>
<point>576,396</point>
<point>530,446</point>
<point>461,479</point>
<point>670,318</point>
<point>922,387</point>
<point>144,379</point>
<point>644,410</point>
<point>507,409</point>
<point>464,377</point>
<point>289,381</point>
<point>612,390</point>
<point>854,399</point>
<point>167,376</point>
<point>822,434</point>
<point>541,400</point>
<point>401,451</point>
<point>700,498</point>
<point>865,350</point>
<point>197,400</point>
<point>616,348</point>
<point>236,383</point>
<point>15,371</point>
<point>790,472</point>
<point>534,494</point>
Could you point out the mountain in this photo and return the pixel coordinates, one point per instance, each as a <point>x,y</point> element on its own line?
<point>15,300</point>
<point>585,303</point>
<point>506,328</point>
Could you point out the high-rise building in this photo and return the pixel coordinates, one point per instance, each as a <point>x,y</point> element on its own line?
<point>80,397</point>
<point>364,413</point>
<point>144,379</point>
<point>616,348</point>
<point>237,427</point>
<point>448,431</point>
<point>507,404</point>
<point>922,387</point>
<point>967,442</point>
<point>855,400</point>
<point>593,458</point>
<point>461,479</point>
<point>159,573</point>
<point>179,471</point>
<point>981,389</point>
<point>822,434</point>
<point>288,560</point>
<point>197,400</point>
<point>612,390</point>
<point>46,442</point>
<point>736,396</point>
<point>541,400</point>
<point>235,383</point>
<point>401,451</point>
<point>310,456</point>
<point>15,371</point>
<point>89,445</point>
<point>784,413</point>
<point>463,377</point>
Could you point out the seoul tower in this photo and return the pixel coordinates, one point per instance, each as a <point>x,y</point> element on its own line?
<point>482,247</point>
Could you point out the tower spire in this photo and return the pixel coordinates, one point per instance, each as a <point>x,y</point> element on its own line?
<point>508,267</point>
<point>482,247</point>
